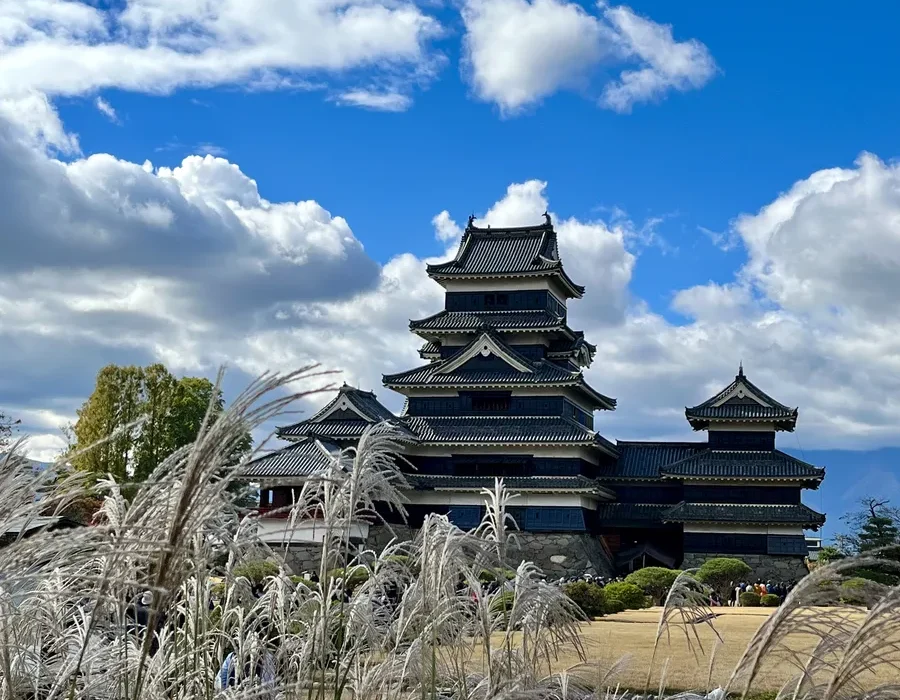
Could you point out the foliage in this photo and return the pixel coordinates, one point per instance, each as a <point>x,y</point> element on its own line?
<point>7,426</point>
<point>495,575</point>
<point>853,591</point>
<point>749,599</point>
<point>874,525</point>
<point>770,600</point>
<point>631,596</point>
<point>149,414</point>
<point>613,606</point>
<point>256,571</point>
<point>830,553</point>
<point>589,597</point>
<point>722,573</point>
<point>655,581</point>
<point>356,576</point>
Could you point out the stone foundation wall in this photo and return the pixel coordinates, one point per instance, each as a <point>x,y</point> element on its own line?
<point>556,553</point>
<point>563,553</point>
<point>303,557</point>
<point>767,567</point>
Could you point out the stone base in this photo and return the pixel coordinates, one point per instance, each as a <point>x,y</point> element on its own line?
<point>555,553</point>
<point>767,567</point>
<point>562,553</point>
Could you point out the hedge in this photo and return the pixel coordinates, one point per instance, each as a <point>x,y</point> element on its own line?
<point>749,599</point>
<point>587,596</point>
<point>770,600</point>
<point>632,597</point>
<point>613,606</point>
<point>256,571</point>
<point>655,581</point>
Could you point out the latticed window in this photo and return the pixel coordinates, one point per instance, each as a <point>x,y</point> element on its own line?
<point>491,403</point>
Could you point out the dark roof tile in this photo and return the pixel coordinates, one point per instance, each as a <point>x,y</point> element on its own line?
<point>743,464</point>
<point>643,460</point>
<point>741,408</point>
<point>467,321</point>
<point>305,458</point>
<point>796,514</point>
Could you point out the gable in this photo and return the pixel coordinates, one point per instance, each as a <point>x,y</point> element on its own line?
<point>485,348</point>
<point>740,395</point>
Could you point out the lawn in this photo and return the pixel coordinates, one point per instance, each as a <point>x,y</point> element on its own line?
<point>631,634</point>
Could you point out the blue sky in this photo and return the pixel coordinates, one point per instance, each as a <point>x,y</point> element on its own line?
<point>717,211</point>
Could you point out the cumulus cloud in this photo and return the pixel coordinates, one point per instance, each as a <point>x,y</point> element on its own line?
<point>64,47</point>
<point>127,263</point>
<point>518,52</point>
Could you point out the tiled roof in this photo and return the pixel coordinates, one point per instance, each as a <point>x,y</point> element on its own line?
<point>304,458</point>
<point>333,429</point>
<point>741,408</point>
<point>503,430</point>
<point>797,514</point>
<point>467,321</point>
<point>429,350</point>
<point>542,372</point>
<point>611,513</point>
<point>515,483</point>
<point>721,464</point>
<point>526,250</point>
<point>346,427</point>
<point>643,460</point>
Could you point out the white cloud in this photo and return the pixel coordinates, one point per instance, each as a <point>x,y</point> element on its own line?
<point>193,266</point>
<point>518,52</point>
<point>61,47</point>
<point>376,100</point>
<point>106,109</point>
<point>665,64</point>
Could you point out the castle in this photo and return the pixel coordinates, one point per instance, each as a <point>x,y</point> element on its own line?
<point>502,392</point>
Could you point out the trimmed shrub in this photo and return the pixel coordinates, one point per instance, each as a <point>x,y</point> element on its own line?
<point>631,596</point>
<point>655,581</point>
<point>494,575</point>
<point>298,580</point>
<point>256,571</point>
<point>853,591</point>
<point>587,596</point>
<point>770,600</point>
<point>357,576</point>
<point>749,599</point>
<point>613,606</point>
<point>722,573</point>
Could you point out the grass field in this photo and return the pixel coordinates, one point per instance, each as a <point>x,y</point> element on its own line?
<point>631,634</point>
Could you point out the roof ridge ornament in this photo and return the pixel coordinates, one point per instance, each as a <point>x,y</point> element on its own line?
<point>471,224</point>
<point>740,374</point>
<point>547,220</point>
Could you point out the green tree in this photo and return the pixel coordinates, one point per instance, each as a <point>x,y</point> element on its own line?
<point>723,573</point>
<point>111,409</point>
<point>873,526</point>
<point>172,412</point>
<point>830,553</point>
<point>156,440</point>
<point>7,426</point>
<point>655,581</point>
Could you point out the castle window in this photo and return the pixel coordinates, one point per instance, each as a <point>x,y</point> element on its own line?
<point>491,403</point>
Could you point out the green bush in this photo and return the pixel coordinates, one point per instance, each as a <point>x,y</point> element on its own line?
<point>297,580</point>
<point>256,571</point>
<point>770,600</point>
<point>749,599</point>
<point>587,596</point>
<point>631,596</point>
<point>853,591</point>
<point>613,606</point>
<point>655,581</point>
<point>356,576</point>
<point>493,575</point>
<point>722,573</point>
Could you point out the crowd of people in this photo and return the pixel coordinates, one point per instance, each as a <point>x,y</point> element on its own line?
<point>761,588</point>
